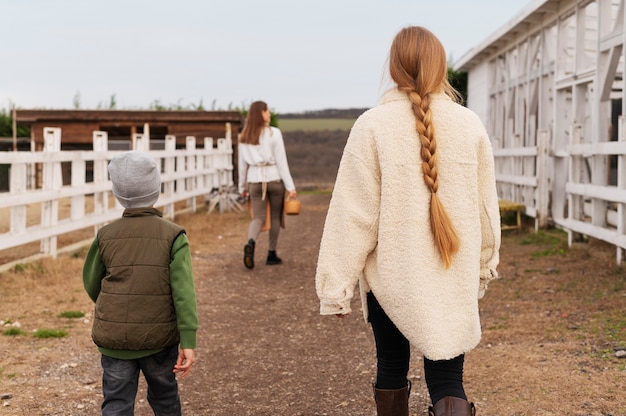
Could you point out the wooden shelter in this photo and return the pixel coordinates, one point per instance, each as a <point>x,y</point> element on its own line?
<point>120,125</point>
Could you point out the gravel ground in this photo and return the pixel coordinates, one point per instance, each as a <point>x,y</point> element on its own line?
<point>550,328</point>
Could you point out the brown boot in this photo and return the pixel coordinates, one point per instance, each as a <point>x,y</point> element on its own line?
<point>392,402</point>
<point>452,406</point>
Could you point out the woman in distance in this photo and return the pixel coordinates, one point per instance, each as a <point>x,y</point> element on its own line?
<point>414,220</point>
<point>263,175</point>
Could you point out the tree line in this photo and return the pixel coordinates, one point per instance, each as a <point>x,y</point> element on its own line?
<point>457,79</point>
<point>6,126</point>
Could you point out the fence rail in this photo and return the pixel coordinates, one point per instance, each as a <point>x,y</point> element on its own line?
<point>36,185</point>
<point>570,188</point>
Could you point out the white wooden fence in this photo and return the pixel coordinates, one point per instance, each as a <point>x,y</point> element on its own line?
<point>186,174</point>
<point>554,184</point>
<point>550,86</point>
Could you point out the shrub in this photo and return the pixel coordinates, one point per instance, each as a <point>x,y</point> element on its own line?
<point>71,314</point>
<point>13,332</point>
<point>49,333</point>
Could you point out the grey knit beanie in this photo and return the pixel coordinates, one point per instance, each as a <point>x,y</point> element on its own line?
<point>136,179</point>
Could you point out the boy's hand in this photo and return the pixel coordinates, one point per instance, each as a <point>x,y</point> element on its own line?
<point>186,358</point>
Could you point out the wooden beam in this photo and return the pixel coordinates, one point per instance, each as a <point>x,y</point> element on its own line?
<point>141,116</point>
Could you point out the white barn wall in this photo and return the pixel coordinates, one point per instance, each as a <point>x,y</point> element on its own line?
<point>478,84</point>
<point>549,86</point>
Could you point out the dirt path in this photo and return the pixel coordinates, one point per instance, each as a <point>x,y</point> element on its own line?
<point>550,327</point>
<point>268,352</point>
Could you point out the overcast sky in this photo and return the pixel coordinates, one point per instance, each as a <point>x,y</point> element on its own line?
<point>296,55</point>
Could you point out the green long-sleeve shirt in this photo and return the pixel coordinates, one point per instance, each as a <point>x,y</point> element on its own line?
<point>183,294</point>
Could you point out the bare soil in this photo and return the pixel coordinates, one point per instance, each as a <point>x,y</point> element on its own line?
<point>551,328</point>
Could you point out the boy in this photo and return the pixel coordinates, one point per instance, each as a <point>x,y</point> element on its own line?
<point>138,273</point>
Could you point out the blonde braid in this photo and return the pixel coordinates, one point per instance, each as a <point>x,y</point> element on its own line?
<point>443,230</point>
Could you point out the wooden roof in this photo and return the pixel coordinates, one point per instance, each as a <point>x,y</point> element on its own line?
<point>78,125</point>
<point>139,116</point>
<point>532,13</point>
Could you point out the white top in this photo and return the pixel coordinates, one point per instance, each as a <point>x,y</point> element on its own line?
<point>265,162</point>
<point>377,230</point>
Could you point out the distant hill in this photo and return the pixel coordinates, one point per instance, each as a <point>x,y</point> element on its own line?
<point>351,113</point>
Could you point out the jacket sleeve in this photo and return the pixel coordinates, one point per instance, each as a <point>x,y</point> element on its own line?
<point>183,291</point>
<point>93,271</point>
<point>351,228</point>
<point>489,217</point>
<point>280,156</point>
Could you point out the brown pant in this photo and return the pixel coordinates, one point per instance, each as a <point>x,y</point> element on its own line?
<point>276,195</point>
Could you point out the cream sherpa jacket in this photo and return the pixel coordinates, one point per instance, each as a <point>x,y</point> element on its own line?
<point>378,232</point>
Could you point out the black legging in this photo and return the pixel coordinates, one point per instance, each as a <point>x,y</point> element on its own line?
<point>393,353</point>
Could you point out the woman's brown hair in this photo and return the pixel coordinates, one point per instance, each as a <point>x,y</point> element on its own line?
<point>254,123</point>
<point>418,66</point>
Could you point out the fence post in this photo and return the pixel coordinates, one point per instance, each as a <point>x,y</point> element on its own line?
<point>17,185</point>
<point>220,164</point>
<point>191,167</point>
<point>169,167</point>
<point>141,142</point>
<point>543,191</point>
<point>225,164</point>
<point>207,166</point>
<point>621,184</point>
<point>100,173</point>
<point>229,147</point>
<point>518,169</point>
<point>229,135</point>
<point>52,180</point>
<point>77,209</point>
<point>212,162</point>
<point>180,167</point>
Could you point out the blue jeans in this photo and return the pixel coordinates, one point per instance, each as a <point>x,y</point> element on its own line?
<point>120,380</point>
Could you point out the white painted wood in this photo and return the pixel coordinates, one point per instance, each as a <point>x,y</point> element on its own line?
<point>191,183</point>
<point>52,181</point>
<point>79,168</point>
<point>186,174</point>
<point>17,186</point>
<point>543,180</point>
<point>168,168</point>
<point>515,151</point>
<point>479,102</point>
<point>553,74</point>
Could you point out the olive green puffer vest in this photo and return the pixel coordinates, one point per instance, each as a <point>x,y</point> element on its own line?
<point>135,310</point>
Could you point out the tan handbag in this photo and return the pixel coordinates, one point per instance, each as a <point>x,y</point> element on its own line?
<point>292,206</point>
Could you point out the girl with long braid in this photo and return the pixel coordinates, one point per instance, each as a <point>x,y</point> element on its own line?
<point>414,219</point>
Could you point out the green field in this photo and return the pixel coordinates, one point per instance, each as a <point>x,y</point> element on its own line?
<point>315,124</point>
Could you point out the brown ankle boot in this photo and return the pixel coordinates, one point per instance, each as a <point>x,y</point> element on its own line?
<point>452,406</point>
<point>391,402</point>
